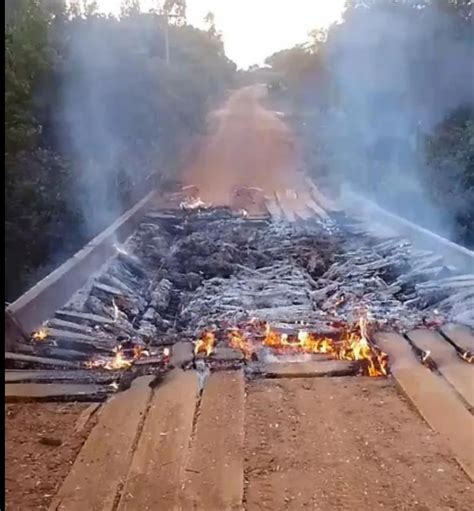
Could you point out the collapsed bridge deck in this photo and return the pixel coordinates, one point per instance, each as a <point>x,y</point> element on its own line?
<point>282,295</point>
<point>193,270</point>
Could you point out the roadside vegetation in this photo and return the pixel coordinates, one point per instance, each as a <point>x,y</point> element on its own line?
<point>96,110</point>
<point>385,99</point>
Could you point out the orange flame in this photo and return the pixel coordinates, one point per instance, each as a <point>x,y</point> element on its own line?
<point>119,360</point>
<point>239,342</point>
<point>40,334</point>
<point>205,344</point>
<point>354,344</point>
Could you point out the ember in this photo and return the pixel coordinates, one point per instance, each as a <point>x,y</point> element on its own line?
<point>123,359</point>
<point>40,334</point>
<point>205,344</point>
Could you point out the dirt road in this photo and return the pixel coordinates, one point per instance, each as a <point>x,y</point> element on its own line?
<point>246,145</point>
<point>326,444</point>
<point>344,444</point>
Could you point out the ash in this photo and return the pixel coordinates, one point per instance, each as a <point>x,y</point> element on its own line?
<point>183,272</point>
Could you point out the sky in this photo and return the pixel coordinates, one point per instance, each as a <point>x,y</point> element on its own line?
<point>254,29</point>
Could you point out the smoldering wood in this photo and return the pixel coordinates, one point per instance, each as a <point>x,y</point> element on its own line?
<point>20,360</point>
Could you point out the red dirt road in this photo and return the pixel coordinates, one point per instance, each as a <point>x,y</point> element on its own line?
<point>333,444</point>
<point>247,145</point>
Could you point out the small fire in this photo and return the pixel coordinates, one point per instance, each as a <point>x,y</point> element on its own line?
<point>239,342</point>
<point>40,334</point>
<point>468,357</point>
<point>354,345</point>
<point>205,344</point>
<point>122,359</point>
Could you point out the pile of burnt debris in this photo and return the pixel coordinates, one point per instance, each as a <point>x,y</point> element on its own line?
<point>185,272</point>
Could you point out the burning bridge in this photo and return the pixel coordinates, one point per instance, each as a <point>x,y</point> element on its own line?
<point>200,328</point>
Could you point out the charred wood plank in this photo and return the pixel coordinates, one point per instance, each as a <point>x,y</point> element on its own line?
<point>114,282</point>
<point>28,392</point>
<point>45,376</point>
<point>22,360</point>
<point>133,263</point>
<point>308,369</point>
<point>106,291</point>
<point>61,353</point>
<point>456,371</point>
<point>460,335</point>
<point>69,326</point>
<point>83,318</point>
<point>433,397</point>
<point>53,333</point>
<point>181,354</point>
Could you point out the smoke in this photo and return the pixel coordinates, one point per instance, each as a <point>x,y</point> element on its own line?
<point>117,121</point>
<point>397,70</point>
<point>92,143</point>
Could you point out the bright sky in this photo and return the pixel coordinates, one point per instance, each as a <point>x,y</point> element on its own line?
<point>254,29</point>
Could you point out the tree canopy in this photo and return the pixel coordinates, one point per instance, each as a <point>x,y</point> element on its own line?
<point>94,117</point>
<point>388,95</point>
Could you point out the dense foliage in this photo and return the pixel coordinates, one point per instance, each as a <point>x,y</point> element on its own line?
<point>95,116</point>
<point>387,98</point>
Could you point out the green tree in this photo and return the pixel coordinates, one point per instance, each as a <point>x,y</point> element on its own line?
<point>26,56</point>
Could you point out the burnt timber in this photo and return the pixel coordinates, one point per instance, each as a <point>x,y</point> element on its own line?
<point>169,281</point>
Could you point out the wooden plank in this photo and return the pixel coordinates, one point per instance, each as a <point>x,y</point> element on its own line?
<point>273,208</point>
<point>38,361</point>
<point>79,342</point>
<point>41,301</point>
<point>323,201</point>
<point>61,353</point>
<point>458,373</point>
<point>29,392</point>
<point>181,353</point>
<point>157,470</point>
<point>308,369</point>
<point>82,318</point>
<point>104,460</point>
<point>53,333</point>
<point>61,324</point>
<point>85,417</point>
<point>43,376</point>
<point>318,210</point>
<point>227,354</point>
<point>461,335</point>
<point>435,400</point>
<point>302,212</point>
<point>287,211</point>
<point>215,468</point>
